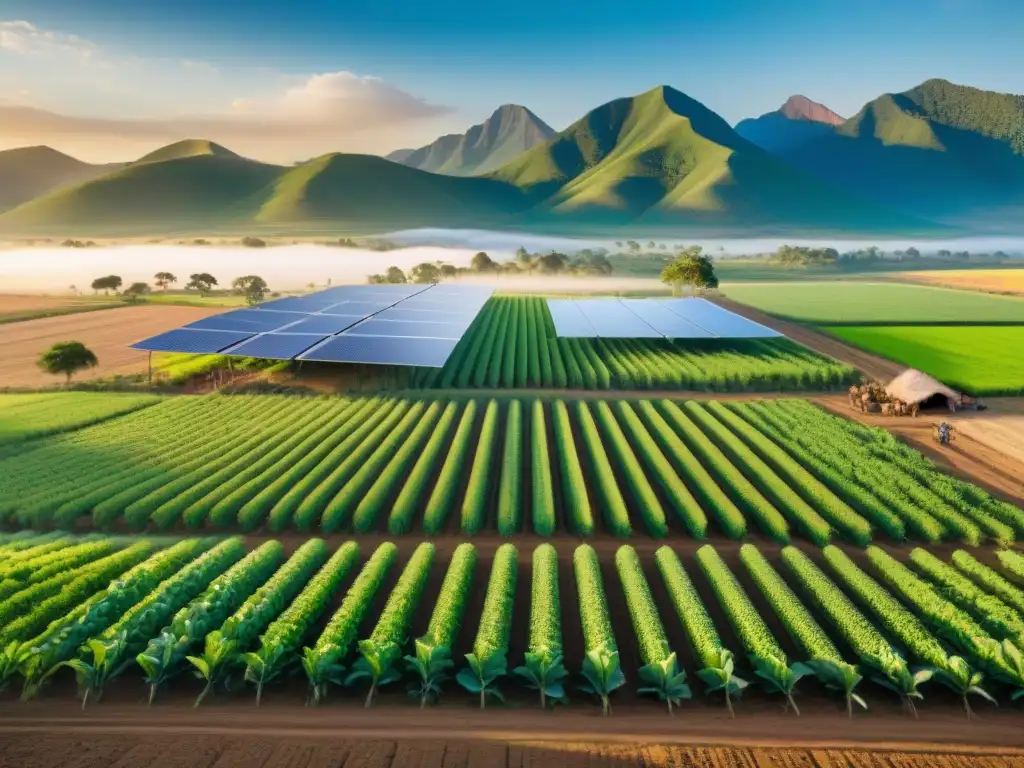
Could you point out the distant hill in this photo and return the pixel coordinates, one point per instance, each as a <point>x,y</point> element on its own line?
<point>182,190</point>
<point>187,148</point>
<point>938,150</point>
<point>507,133</point>
<point>660,160</point>
<point>29,172</point>
<point>794,123</point>
<point>664,159</point>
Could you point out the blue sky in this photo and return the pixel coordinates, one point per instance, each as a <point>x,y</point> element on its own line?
<point>444,65</point>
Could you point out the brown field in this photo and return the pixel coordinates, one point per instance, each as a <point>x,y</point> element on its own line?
<point>108,334</point>
<point>15,307</point>
<point>987,280</point>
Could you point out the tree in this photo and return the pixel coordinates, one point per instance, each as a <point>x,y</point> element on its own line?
<point>692,270</point>
<point>68,358</point>
<point>134,291</point>
<point>552,262</point>
<point>395,276</point>
<point>481,262</point>
<point>107,284</point>
<point>202,282</point>
<point>425,273</point>
<point>253,242</point>
<point>163,279</point>
<point>448,271</point>
<point>253,287</point>
<point>375,279</point>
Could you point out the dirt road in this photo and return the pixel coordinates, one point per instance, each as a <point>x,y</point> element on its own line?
<point>107,334</point>
<point>871,365</point>
<point>988,451</point>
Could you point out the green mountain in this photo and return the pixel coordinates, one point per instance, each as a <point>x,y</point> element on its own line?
<point>796,122</point>
<point>507,133</point>
<point>29,172</point>
<point>939,150</point>
<point>659,160</point>
<point>186,189</point>
<point>664,159</point>
<point>366,190</point>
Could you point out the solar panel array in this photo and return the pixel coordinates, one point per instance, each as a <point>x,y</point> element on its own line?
<point>652,318</point>
<point>381,324</point>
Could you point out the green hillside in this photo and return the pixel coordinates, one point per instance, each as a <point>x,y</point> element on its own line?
<point>187,148</point>
<point>28,172</point>
<point>147,196</point>
<point>365,189</point>
<point>938,150</point>
<point>664,159</point>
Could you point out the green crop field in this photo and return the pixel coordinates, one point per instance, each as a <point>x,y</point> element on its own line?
<point>859,303</point>
<point>512,344</point>
<point>193,614</point>
<point>23,417</point>
<point>981,360</point>
<point>405,464</point>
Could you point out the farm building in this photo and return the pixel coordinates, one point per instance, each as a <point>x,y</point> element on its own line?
<point>918,388</point>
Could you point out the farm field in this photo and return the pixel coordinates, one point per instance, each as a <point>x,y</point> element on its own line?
<point>512,344</point>
<point>864,303</point>
<point>980,360</point>
<point>107,334</point>
<point>987,280</point>
<point>671,629</point>
<point>26,417</point>
<point>18,307</point>
<point>783,469</point>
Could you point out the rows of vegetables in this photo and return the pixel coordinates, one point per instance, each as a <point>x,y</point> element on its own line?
<point>784,468</point>
<point>161,610</point>
<point>513,344</point>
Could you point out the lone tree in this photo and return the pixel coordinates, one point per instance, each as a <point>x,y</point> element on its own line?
<point>202,282</point>
<point>690,269</point>
<point>68,358</point>
<point>134,291</point>
<point>164,279</point>
<point>107,284</point>
<point>253,287</point>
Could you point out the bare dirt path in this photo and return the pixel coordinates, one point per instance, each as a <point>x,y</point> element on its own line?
<point>108,334</point>
<point>872,365</point>
<point>999,732</point>
<point>989,450</point>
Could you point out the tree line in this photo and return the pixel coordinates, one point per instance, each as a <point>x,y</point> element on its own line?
<point>253,287</point>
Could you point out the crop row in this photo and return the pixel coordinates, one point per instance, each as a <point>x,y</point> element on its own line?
<point>513,344</point>
<point>764,619</point>
<point>783,467</point>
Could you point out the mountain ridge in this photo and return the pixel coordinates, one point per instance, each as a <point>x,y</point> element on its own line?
<point>28,172</point>
<point>510,130</point>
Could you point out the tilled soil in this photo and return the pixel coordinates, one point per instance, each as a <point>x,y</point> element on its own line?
<point>310,743</point>
<point>108,334</point>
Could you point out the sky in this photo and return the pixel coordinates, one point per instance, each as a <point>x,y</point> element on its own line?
<point>108,80</point>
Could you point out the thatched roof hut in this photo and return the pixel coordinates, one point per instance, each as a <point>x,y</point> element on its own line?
<point>913,386</point>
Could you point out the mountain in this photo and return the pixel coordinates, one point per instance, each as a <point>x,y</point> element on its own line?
<point>509,132</point>
<point>794,123</point>
<point>939,150</point>
<point>184,184</point>
<point>660,160</point>
<point>28,172</point>
<point>664,159</point>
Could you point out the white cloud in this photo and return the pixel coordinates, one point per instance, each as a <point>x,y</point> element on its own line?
<point>143,99</point>
<point>25,38</point>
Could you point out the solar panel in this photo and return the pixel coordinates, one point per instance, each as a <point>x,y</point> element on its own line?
<point>612,320</point>
<point>426,315</point>
<point>718,321</point>
<point>323,324</point>
<point>378,350</point>
<point>298,304</point>
<point>276,346</point>
<point>247,320</point>
<point>662,319</point>
<point>569,320</point>
<point>375,327</point>
<point>197,342</point>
